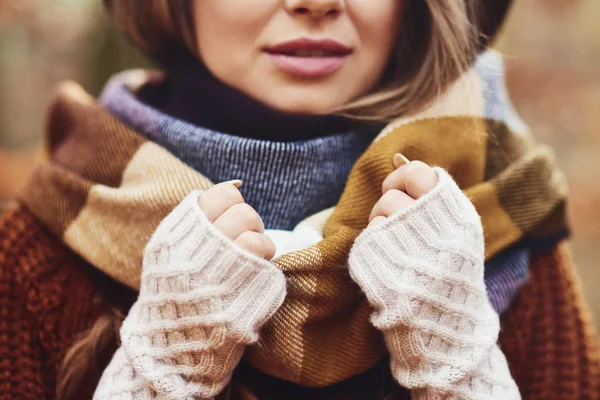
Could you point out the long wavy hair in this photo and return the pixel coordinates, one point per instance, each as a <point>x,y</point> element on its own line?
<point>436,42</point>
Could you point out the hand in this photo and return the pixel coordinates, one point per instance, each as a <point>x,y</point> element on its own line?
<point>225,208</point>
<point>410,181</point>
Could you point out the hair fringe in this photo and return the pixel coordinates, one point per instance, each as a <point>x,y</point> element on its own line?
<point>446,37</point>
<point>158,27</point>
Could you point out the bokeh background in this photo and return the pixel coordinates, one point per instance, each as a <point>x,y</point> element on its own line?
<point>552,49</point>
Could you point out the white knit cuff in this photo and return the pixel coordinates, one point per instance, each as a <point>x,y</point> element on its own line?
<point>199,242</point>
<point>435,234</point>
<point>202,300</point>
<point>422,270</point>
<point>446,205</point>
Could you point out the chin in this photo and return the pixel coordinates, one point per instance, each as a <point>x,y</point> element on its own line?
<point>309,105</point>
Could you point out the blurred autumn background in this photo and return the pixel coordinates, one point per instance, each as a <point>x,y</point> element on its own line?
<point>552,49</point>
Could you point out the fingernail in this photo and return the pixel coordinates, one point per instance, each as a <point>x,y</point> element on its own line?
<point>236,182</point>
<point>399,160</point>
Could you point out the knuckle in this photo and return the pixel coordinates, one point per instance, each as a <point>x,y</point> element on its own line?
<point>253,242</point>
<point>230,194</point>
<point>268,247</point>
<point>390,197</point>
<point>421,178</point>
<point>416,170</point>
<point>387,184</point>
<point>412,180</point>
<point>205,198</point>
<point>385,205</point>
<point>412,170</point>
<point>257,244</point>
<point>247,216</point>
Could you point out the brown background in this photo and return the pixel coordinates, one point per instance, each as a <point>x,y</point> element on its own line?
<point>552,49</point>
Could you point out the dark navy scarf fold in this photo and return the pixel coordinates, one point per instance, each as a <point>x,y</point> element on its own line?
<point>285,181</point>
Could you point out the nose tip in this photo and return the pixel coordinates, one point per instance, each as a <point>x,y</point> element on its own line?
<point>316,13</point>
<point>316,8</point>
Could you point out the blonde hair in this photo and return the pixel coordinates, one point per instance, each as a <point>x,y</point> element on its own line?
<point>437,41</point>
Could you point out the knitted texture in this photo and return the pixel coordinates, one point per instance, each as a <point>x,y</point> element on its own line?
<point>547,336</point>
<point>285,182</point>
<point>422,270</point>
<point>202,300</point>
<point>48,296</point>
<point>506,273</point>
<point>106,202</point>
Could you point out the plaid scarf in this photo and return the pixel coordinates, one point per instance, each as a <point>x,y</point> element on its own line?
<point>105,188</point>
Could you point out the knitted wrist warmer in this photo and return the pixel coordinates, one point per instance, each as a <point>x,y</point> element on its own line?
<point>422,270</point>
<point>202,300</point>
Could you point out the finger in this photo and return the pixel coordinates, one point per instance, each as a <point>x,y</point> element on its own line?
<point>218,199</point>
<point>399,160</point>
<point>390,203</point>
<point>235,182</point>
<point>415,179</point>
<point>258,244</point>
<point>377,221</point>
<point>239,219</point>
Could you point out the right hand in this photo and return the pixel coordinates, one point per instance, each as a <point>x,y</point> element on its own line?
<point>226,209</point>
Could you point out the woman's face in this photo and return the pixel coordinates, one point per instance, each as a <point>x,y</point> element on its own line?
<point>298,56</point>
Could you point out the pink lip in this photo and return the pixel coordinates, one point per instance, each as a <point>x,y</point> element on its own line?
<point>309,67</point>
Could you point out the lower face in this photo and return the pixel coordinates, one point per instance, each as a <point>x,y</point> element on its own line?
<point>298,56</point>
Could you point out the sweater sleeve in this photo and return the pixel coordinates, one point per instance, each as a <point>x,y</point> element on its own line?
<point>202,301</point>
<point>422,270</point>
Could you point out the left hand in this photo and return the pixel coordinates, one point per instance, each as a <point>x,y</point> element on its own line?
<point>410,181</point>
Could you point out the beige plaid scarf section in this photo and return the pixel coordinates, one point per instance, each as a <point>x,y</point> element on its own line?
<point>105,188</point>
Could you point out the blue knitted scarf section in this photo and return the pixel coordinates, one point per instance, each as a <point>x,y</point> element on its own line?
<point>286,182</point>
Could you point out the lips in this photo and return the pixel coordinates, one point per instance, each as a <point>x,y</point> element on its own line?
<point>306,47</point>
<point>309,58</point>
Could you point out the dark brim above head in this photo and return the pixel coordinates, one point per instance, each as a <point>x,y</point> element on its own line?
<point>492,15</point>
